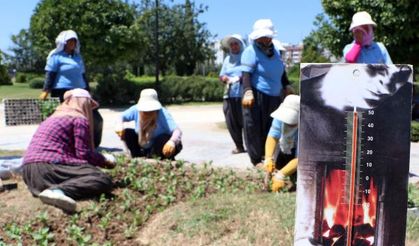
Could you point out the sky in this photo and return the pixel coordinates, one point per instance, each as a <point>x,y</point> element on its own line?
<point>293,19</point>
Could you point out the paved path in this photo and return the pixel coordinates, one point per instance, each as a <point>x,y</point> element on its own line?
<point>205,138</point>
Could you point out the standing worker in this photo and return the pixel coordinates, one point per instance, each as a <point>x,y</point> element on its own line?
<point>230,75</point>
<point>65,71</point>
<point>363,49</point>
<point>262,69</point>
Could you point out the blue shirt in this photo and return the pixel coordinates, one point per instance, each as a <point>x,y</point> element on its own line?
<point>232,69</point>
<point>375,53</point>
<point>266,72</point>
<point>69,69</point>
<point>165,122</point>
<point>276,129</point>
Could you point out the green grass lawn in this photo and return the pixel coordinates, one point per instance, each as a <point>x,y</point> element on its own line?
<point>18,90</point>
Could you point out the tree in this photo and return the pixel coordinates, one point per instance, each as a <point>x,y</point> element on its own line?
<point>313,51</point>
<point>191,37</point>
<point>24,58</point>
<point>397,23</point>
<point>4,76</point>
<point>105,28</point>
<point>183,40</point>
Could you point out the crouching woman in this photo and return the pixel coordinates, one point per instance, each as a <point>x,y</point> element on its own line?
<point>156,133</point>
<point>61,164</point>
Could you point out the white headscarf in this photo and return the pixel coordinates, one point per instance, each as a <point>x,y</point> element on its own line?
<point>225,42</point>
<point>61,41</point>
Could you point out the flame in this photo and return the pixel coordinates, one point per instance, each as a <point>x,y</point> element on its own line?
<point>336,208</point>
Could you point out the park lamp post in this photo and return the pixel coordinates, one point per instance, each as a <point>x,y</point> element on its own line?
<point>156,33</point>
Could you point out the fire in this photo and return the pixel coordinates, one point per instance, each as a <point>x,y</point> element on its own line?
<point>336,211</point>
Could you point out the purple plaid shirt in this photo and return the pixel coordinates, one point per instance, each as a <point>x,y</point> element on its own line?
<point>63,140</point>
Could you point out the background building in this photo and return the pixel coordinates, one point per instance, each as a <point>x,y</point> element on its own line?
<point>292,54</point>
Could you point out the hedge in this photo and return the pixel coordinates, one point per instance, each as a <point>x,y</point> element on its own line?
<point>4,76</point>
<point>36,83</point>
<point>176,89</point>
<point>414,131</point>
<point>115,89</point>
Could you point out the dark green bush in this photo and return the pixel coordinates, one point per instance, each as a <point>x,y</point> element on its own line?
<point>115,88</point>
<point>36,83</point>
<point>21,78</point>
<point>176,89</point>
<point>4,76</point>
<point>414,131</point>
<point>294,77</point>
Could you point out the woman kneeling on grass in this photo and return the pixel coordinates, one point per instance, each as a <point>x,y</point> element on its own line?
<point>61,163</point>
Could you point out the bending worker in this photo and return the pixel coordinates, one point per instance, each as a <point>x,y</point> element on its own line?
<point>281,142</point>
<point>155,133</point>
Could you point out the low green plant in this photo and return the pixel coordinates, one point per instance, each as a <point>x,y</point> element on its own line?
<point>413,195</point>
<point>104,221</point>
<point>42,217</point>
<point>76,234</point>
<point>43,236</point>
<point>414,131</point>
<point>14,232</point>
<point>47,107</point>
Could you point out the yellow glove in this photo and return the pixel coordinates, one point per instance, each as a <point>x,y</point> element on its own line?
<point>278,182</point>
<point>269,165</point>
<point>120,133</point>
<point>169,148</point>
<point>270,146</point>
<point>248,99</point>
<point>43,95</point>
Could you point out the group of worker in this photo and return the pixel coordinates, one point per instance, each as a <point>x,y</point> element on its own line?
<point>61,164</point>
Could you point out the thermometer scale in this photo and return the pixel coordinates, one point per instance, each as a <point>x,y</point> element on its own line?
<point>350,211</point>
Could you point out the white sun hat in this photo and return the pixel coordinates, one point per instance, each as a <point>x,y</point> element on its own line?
<point>289,110</point>
<point>361,18</point>
<point>225,42</point>
<point>262,28</point>
<point>148,101</point>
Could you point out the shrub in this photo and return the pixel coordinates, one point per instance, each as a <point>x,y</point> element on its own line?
<point>414,132</point>
<point>36,83</point>
<point>176,89</point>
<point>4,76</point>
<point>115,88</point>
<point>293,74</point>
<point>21,78</point>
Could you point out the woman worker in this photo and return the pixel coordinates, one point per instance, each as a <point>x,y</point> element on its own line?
<point>262,69</point>
<point>61,164</point>
<point>65,71</point>
<point>363,49</point>
<point>230,75</point>
<point>281,143</point>
<point>155,133</point>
